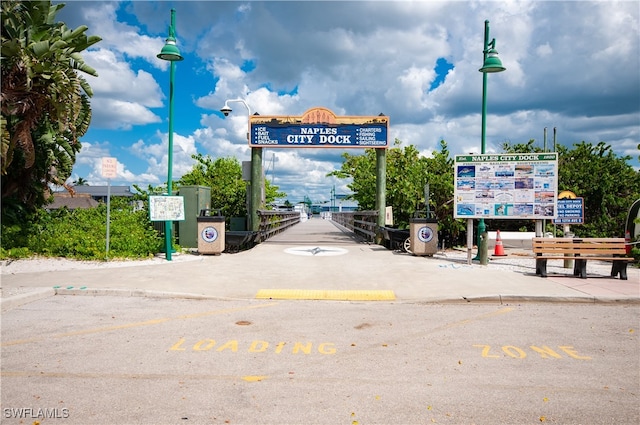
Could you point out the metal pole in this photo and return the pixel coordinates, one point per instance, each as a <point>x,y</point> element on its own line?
<point>483,145</point>
<point>469,239</point>
<point>381,184</point>
<point>256,187</point>
<point>108,215</point>
<point>544,146</point>
<point>168,223</point>
<point>482,243</point>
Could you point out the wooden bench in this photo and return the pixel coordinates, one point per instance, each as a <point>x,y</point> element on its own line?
<point>580,250</point>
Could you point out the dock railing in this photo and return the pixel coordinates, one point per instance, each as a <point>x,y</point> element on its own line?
<point>361,223</point>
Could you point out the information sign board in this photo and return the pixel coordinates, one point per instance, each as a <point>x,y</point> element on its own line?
<point>319,136</point>
<point>166,208</point>
<point>318,128</point>
<point>570,211</point>
<point>519,186</point>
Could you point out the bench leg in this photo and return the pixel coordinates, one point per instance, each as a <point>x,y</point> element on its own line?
<point>619,267</point>
<point>580,268</point>
<point>541,267</point>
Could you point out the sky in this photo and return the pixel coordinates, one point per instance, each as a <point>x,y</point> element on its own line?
<point>572,66</point>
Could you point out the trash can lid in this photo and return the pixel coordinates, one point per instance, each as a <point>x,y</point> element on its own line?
<point>210,219</point>
<point>206,217</point>
<point>423,220</point>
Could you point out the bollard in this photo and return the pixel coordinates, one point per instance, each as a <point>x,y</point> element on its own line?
<point>483,249</point>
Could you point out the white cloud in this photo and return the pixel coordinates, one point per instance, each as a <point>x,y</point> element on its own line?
<point>363,58</point>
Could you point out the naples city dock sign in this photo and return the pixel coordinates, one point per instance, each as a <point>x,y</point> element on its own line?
<point>318,128</point>
<point>506,186</point>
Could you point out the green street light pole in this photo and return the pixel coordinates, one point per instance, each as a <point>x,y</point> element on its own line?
<point>171,53</point>
<point>491,63</point>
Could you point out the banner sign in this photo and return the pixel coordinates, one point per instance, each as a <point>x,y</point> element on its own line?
<point>570,211</point>
<point>503,186</point>
<point>166,208</point>
<point>318,128</point>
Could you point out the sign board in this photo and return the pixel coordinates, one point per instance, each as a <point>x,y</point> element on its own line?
<point>166,208</point>
<point>109,168</point>
<point>318,128</point>
<point>570,211</point>
<point>504,186</point>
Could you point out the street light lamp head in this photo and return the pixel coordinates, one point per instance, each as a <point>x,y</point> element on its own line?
<point>170,51</point>
<point>226,110</point>
<point>492,63</point>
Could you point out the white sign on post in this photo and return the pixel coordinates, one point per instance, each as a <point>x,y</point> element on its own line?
<point>109,168</point>
<point>166,208</point>
<point>109,171</point>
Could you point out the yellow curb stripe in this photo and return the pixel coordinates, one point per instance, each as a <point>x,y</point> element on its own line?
<point>332,295</point>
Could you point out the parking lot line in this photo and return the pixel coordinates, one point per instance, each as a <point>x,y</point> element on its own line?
<point>333,295</point>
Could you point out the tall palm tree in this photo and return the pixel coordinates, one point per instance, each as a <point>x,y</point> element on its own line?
<point>45,106</point>
<point>80,182</point>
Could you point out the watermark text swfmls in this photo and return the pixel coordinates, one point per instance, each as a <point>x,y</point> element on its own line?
<point>35,413</point>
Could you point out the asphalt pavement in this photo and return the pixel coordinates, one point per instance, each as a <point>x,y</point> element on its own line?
<point>317,259</point>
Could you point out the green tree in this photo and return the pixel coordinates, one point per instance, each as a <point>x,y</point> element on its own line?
<point>407,175</point>
<point>224,177</point>
<point>362,171</point>
<point>440,178</point>
<point>45,106</point>
<point>272,193</point>
<point>80,182</point>
<point>607,182</point>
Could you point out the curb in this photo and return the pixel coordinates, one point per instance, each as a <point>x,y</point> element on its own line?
<point>144,293</point>
<point>37,294</point>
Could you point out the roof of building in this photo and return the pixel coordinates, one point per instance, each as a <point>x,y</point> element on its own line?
<point>102,190</point>
<point>64,199</point>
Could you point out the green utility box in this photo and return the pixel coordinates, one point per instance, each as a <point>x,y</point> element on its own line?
<point>211,233</point>
<point>196,198</point>
<point>423,236</point>
<point>238,224</point>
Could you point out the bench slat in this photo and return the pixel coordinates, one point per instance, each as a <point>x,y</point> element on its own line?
<point>546,257</point>
<point>581,250</point>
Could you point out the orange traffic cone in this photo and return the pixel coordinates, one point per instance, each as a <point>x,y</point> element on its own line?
<point>499,249</point>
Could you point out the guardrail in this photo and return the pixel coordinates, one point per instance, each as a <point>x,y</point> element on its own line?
<point>274,222</point>
<point>361,223</point>
<point>395,239</point>
<point>271,223</point>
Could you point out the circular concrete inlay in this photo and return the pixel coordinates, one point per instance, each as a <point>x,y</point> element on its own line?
<point>316,251</point>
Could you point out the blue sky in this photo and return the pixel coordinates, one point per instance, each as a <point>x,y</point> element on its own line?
<point>571,65</point>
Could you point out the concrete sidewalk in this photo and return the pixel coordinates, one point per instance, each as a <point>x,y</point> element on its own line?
<point>316,256</point>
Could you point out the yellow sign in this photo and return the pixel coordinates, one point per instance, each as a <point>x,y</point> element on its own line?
<point>567,194</point>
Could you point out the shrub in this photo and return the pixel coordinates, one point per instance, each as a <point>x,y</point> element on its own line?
<point>82,233</point>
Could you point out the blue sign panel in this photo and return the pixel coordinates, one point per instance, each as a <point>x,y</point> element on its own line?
<point>570,211</point>
<point>278,135</point>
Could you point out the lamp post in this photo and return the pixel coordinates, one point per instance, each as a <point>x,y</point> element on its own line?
<point>255,197</point>
<point>491,63</point>
<point>171,53</point>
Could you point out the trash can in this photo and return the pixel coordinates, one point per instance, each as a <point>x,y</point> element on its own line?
<point>423,236</point>
<point>210,233</point>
